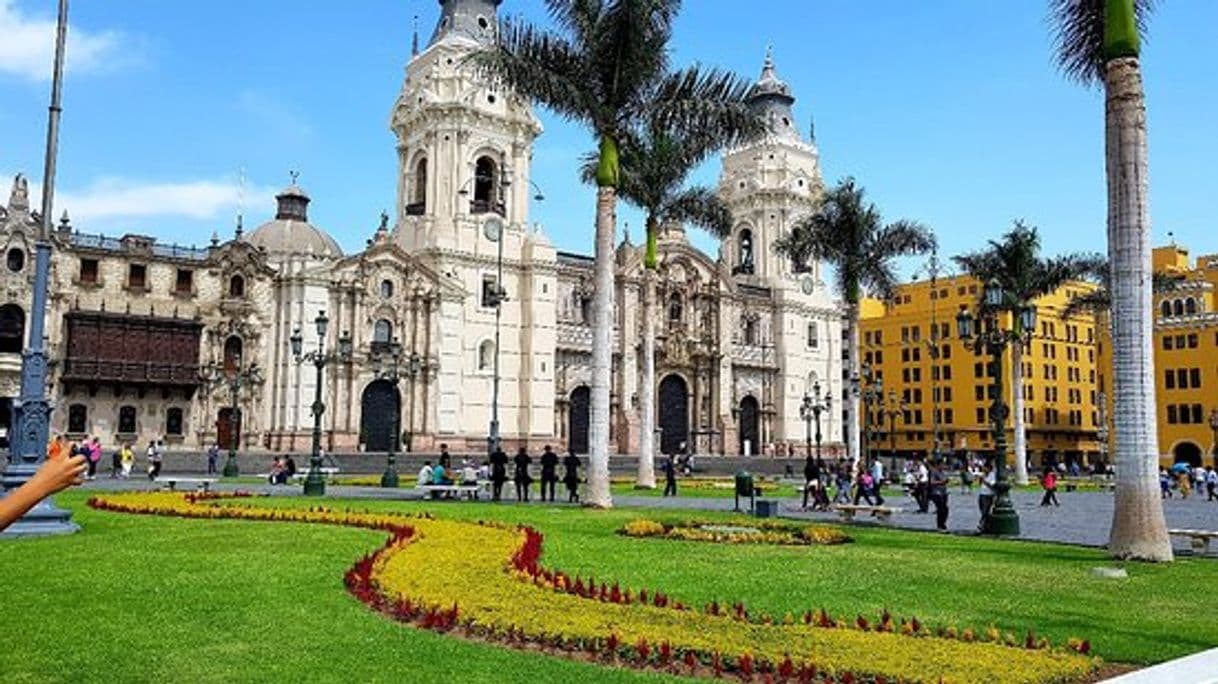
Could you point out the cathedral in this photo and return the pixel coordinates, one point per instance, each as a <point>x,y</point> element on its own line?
<point>458,310</point>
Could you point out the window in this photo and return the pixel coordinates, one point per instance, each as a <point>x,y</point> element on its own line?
<point>173,421</point>
<point>126,420</point>
<point>946,352</point>
<point>382,332</point>
<point>1177,308</point>
<point>78,418</point>
<point>386,289</point>
<point>490,291</point>
<point>12,329</point>
<point>236,286</point>
<point>750,332</point>
<point>981,416</point>
<point>1192,341</point>
<point>676,309</point>
<point>486,187</point>
<point>917,375</point>
<point>813,338</point>
<point>88,271</point>
<point>905,355</point>
<point>1197,414</point>
<point>233,351</point>
<point>1172,417</point>
<point>1194,377</point>
<point>137,277</point>
<point>185,281</point>
<point>16,259</point>
<point>947,373</point>
<point>585,310</point>
<point>419,206</point>
<point>917,354</point>
<point>867,338</point>
<point>979,372</point>
<point>979,393</point>
<point>486,355</point>
<point>745,252</point>
<point>1165,309</point>
<point>1167,342</point>
<point>1182,378</point>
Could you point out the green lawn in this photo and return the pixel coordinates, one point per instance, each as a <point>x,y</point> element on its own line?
<point>136,598</point>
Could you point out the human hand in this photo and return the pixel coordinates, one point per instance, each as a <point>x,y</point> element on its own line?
<point>57,473</point>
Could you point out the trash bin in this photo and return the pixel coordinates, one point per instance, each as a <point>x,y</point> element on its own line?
<point>766,508</point>
<point>744,487</point>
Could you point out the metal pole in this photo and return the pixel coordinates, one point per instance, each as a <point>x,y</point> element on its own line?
<point>315,484</point>
<point>494,437</point>
<point>234,386</point>
<point>32,410</point>
<point>1003,520</point>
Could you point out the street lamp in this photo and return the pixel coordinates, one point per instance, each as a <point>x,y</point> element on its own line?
<point>993,339</point>
<point>315,484</point>
<point>894,408</point>
<point>236,378</point>
<point>392,373</point>
<point>1214,427</point>
<point>873,395</point>
<point>493,230</point>
<point>813,405</point>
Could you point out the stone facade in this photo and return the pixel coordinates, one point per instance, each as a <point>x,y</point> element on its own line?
<point>743,335</point>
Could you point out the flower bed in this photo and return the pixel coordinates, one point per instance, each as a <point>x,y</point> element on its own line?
<point>765,532</point>
<point>524,605</point>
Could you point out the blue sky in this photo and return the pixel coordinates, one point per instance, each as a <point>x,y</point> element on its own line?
<point>950,113</point>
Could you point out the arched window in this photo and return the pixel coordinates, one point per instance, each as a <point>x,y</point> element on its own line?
<point>676,309</point>
<point>173,421</point>
<point>126,420</point>
<point>1190,306</point>
<point>382,332</point>
<point>420,185</point>
<point>12,329</point>
<point>746,251</point>
<point>78,418</point>
<point>1177,307</point>
<point>386,289</point>
<point>236,286</point>
<point>486,187</point>
<point>233,351</point>
<point>1165,308</point>
<point>16,259</point>
<point>486,355</point>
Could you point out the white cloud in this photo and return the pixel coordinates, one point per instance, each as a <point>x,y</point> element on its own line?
<point>28,44</point>
<point>111,201</point>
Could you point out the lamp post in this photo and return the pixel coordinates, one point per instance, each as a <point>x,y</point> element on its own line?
<point>873,395</point>
<point>493,230</point>
<point>890,411</point>
<point>236,378</point>
<point>1214,428</point>
<point>315,484</point>
<point>32,410</point>
<point>993,339</point>
<point>810,410</point>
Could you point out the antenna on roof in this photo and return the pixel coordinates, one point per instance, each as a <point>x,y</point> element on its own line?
<point>414,43</point>
<point>240,202</point>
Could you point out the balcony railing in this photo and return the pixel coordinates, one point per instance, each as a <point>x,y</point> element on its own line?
<point>416,209</point>
<point>137,372</point>
<point>487,207</point>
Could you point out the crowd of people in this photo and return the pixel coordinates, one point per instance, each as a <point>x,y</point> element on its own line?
<point>495,471</point>
<point>1183,478</point>
<point>122,459</point>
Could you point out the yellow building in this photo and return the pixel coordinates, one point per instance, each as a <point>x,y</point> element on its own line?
<point>1186,355</point>
<point>911,344</point>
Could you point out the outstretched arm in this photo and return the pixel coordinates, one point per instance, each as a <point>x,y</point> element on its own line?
<point>57,473</point>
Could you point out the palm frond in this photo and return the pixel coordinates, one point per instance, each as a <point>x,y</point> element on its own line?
<point>1078,35</point>
<point>700,206</point>
<point>707,106</point>
<point>544,65</point>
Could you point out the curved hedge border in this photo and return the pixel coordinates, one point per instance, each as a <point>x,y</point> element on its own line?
<point>521,604</point>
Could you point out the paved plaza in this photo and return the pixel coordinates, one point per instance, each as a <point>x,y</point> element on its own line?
<point>1083,517</point>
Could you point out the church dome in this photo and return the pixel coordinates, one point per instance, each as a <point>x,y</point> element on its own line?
<point>769,84</point>
<point>290,231</point>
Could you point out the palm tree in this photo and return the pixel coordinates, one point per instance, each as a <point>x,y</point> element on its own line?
<point>848,233</point>
<point>1015,264</point>
<point>654,167</point>
<point>1099,42</point>
<point>606,65</point>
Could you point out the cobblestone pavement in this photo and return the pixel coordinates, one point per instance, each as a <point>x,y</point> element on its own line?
<point>1083,517</point>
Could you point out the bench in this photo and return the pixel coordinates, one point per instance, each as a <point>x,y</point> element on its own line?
<point>471,491</point>
<point>326,472</point>
<point>202,484</point>
<point>1199,539</point>
<point>848,511</point>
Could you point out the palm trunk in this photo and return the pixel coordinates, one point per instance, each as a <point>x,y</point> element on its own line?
<point>853,433</point>
<point>647,421</point>
<point>1020,428</point>
<point>1138,527</point>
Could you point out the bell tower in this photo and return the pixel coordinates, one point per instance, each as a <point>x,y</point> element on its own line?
<point>769,184</point>
<point>464,145</point>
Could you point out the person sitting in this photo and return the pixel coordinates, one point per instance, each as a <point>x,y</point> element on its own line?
<point>278,473</point>
<point>289,468</point>
<point>425,474</point>
<point>441,476</point>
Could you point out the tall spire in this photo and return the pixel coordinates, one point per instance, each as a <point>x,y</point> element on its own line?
<point>470,20</point>
<point>771,96</point>
<point>414,41</point>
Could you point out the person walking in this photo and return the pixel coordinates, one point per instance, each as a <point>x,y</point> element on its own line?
<point>499,462</point>
<point>1211,483</point>
<point>116,462</point>
<point>1049,481</point>
<point>1164,484</point>
<point>938,481</point>
<point>670,476</point>
<point>521,476</point>
<point>154,460</point>
<point>842,480</point>
<point>877,481</point>
<point>811,477</point>
<point>92,452</point>
<point>127,458</point>
<point>213,457</point>
<point>985,500</point>
<point>922,486</point>
<point>549,472</point>
<point>570,476</point>
<point>862,488</point>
